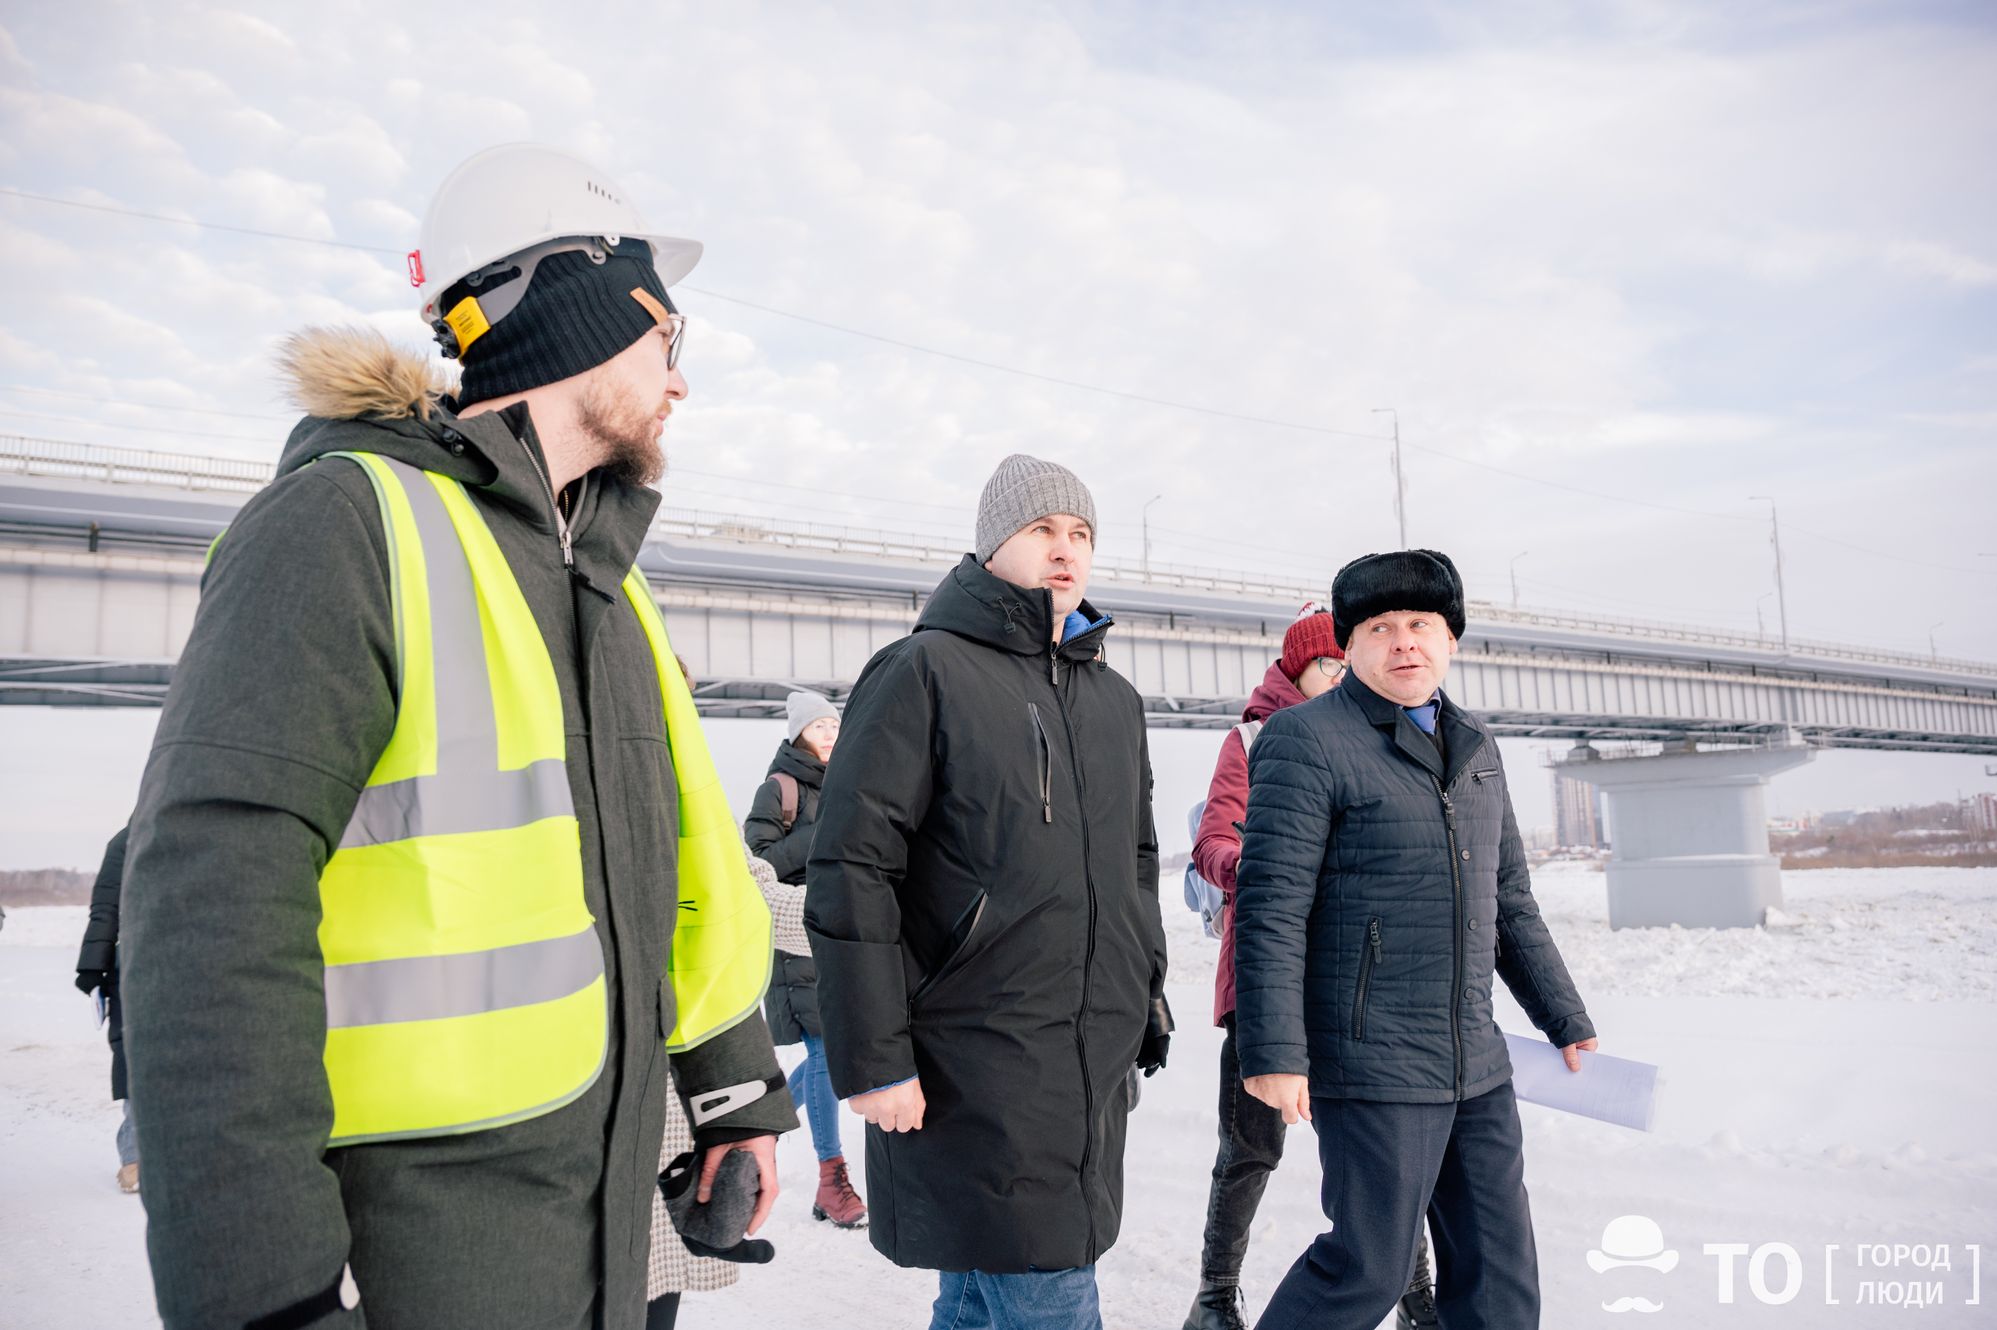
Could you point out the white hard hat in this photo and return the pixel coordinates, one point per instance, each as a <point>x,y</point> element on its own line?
<point>517,196</point>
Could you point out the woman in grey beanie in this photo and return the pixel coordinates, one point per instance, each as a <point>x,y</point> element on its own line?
<point>781,820</point>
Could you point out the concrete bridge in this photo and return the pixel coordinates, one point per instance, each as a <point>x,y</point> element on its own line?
<point>101,554</point>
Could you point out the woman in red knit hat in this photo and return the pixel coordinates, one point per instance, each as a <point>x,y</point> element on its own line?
<point>1251,1133</point>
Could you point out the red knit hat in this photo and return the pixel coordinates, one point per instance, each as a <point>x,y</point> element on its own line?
<point>1311,636</point>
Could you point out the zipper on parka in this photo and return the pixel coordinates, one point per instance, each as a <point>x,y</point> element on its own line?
<point>1089,953</point>
<point>1368,963</point>
<point>554,508</point>
<point>1046,763</point>
<point>1456,935</point>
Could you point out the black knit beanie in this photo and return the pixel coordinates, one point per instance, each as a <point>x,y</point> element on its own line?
<point>1403,580</point>
<point>576,315</point>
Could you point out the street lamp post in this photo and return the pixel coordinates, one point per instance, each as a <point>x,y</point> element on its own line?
<point>1933,653</point>
<point>1760,627</point>
<point>1775,538</point>
<point>1400,478</point>
<point>1515,576</point>
<point>1145,517</point>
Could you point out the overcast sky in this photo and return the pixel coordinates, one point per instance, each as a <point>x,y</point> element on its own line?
<point>1618,266</point>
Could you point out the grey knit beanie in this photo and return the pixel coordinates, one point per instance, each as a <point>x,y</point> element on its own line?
<point>1023,490</point>
<point>802,708</point>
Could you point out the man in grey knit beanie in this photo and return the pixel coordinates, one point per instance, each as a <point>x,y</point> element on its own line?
<point>1037,529</point>
<point>1022,490</point>
<point>984,924</point>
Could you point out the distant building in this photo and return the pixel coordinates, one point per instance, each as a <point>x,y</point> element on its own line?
<point>1979,812</point>
<point>1577,812</point>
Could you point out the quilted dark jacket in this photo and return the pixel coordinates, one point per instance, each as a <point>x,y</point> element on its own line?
<point>1381,885</point>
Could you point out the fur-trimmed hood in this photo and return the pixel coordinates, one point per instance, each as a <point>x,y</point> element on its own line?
<point>364,394</point>
<point>352,373</point>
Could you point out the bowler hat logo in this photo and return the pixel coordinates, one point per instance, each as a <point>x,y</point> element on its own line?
<point>1632,1240</point>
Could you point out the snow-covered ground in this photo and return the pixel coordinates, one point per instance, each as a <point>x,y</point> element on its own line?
<point>1828,1080</point>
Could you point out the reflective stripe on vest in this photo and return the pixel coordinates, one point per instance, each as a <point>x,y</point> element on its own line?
<point>723,941</point>
<point>464,978</point>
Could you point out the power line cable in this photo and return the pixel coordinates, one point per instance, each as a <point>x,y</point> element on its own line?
<point>816,489</point>
<point>924,526</point>
<point>102,400</point>
<point>189,221</point>
<point>996,367</point>
<point>10,412</point>
<point>1886,554</point>
<point>1035,375</point>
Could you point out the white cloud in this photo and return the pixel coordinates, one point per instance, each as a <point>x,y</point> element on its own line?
<point>1925,259</point>
<point>357,150</point>
<point>387,217</point>
<point>1667,257</point>
<point>241,36</point>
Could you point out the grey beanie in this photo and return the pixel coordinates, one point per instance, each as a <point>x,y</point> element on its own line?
<point>1023,490</point>
<point>802,708</point>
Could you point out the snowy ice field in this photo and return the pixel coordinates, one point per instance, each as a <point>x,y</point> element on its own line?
<point>1827,1080</point>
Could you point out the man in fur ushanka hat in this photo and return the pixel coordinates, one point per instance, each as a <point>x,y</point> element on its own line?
<point>1364,964</point>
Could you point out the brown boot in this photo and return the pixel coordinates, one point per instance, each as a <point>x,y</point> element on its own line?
<point>128,1178</point>
<point>836,1199</point>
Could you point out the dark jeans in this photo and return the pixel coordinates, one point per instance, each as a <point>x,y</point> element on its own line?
<point>1385,1165</point>
<point>1251,1145</point>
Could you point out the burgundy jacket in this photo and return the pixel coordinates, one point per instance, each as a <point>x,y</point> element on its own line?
<point>1217,848</point>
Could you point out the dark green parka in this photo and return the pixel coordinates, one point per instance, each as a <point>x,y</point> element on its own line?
<point>281,703</point>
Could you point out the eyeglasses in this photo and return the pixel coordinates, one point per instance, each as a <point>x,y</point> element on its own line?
<point>674,331</point>
<point>1330,666</point>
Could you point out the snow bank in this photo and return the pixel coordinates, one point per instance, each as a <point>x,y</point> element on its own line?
<point>1918,935</point>
<point>1829,1080</point>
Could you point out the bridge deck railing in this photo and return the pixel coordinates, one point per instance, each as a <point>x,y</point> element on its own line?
<point>22,455</point>
<point>140,466</point>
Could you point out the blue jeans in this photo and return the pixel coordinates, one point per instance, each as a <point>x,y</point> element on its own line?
<point>1037,1300</point>
<point>128,1137</point>
<point>811,1091</point>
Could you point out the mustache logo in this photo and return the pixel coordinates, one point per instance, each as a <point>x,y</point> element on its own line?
<point>1632,1305</point>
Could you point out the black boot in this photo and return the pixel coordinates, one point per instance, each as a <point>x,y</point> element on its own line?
<point>1416,1310</point>
<point>1218,1307</point>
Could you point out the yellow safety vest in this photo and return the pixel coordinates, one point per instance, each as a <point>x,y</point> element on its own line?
<point>463,974</point>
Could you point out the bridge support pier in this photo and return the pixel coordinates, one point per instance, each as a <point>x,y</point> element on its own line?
<point>1690,833</point>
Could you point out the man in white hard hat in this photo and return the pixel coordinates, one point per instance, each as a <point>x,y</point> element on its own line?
<point>430,873</point>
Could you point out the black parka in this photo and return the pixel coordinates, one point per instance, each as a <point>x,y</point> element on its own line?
<point>97,959</point>
<point>1381,884</point>
<point>792,1005</point>
<point>983,907</point>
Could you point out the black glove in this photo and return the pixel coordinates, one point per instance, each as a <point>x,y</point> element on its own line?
<point>1158,1029</point>
<point>718,1228</point>
<point>97,963</point>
